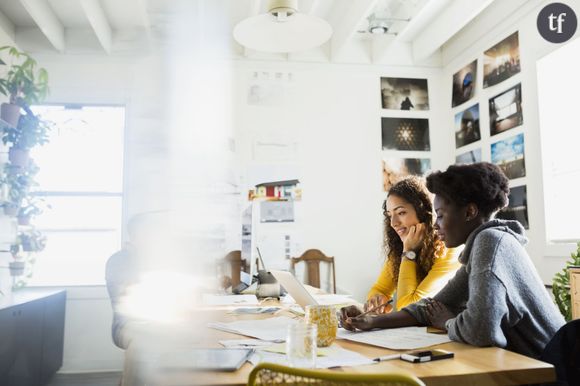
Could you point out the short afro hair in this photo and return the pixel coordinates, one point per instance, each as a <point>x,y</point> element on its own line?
<point>482,183</point>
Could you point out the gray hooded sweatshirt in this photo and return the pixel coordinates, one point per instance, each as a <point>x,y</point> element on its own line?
<point>497,295</point>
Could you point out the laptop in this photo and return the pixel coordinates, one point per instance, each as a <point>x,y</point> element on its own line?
<point>294,288</point>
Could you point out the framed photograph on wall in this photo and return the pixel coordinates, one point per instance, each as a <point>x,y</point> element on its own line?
<point>505,110</point>
<point>404,94</point>
<point>467,126</point>
<point>508,154</point>
<point>517,208</point>
<point>501,61</point>
<point>394,169</point>
<point>470,157</point>
<point>405,134</point>
<point>464,82</point>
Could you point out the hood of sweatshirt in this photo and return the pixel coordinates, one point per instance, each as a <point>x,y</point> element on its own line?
<point>514,228</point>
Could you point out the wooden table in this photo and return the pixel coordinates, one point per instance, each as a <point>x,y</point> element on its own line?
<point>471,366</point>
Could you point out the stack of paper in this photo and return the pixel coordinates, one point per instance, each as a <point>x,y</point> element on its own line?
<point>272,329</point>
<point>405,338</point>
<point>333,356</point>
<point>224,300</point>
<point>245,343</point>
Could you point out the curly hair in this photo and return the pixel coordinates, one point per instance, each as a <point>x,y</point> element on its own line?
<point>482,183</point>
<point>413,190</point>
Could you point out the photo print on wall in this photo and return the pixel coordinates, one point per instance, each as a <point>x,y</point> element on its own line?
<point>501,61</point>
<point>405,134</point>
<point>394,169</point>
<point>517,208</point>
<point>508,154</point>
<point>470,157</point>
<point>464,82</point>
<point>467,126</point>
<point>505,110</point>
<point>404,94</point>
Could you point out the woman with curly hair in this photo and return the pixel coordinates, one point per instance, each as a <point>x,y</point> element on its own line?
<point>418,264</point>
<point>496,298</point>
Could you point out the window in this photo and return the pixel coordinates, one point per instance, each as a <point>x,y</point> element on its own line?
<point>558,80</point>
<point>81,178</point>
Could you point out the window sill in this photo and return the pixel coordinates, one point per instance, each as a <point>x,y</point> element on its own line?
<point>563,249</point>
<point>88,292</point>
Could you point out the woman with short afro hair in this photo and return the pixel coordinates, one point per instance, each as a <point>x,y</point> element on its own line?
<point>496,298</point>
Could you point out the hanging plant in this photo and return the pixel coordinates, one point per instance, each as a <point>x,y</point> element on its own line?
<point>23,82</point>
<point>561,286</point>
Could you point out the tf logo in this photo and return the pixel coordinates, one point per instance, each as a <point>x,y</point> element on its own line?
<point>557,22</point>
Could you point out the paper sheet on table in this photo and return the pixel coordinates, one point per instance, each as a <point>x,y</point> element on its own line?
<point>272,329</point>
<point>223,300</point>
<point>244,343</point>
<point>404,338</point>
<point>254,310</point>
<point>280,348</point>
<point>335,356</point>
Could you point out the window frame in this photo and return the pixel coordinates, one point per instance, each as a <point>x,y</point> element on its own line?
<point>122,194</point>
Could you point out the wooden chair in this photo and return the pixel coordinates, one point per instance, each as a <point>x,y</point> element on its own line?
<point>267,374</point>
<point>236,265</point>
<point>312,259</point>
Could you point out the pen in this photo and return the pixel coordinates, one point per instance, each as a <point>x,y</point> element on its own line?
<point>387,358</point>
<point>375,308</point>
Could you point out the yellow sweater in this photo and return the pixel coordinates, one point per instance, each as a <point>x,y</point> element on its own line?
<point>408,288</point>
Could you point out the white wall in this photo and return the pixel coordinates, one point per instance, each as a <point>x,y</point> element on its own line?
<point>470,44</point>
<point>334,114</point>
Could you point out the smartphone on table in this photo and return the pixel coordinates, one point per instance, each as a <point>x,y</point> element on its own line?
<point>426,356</point>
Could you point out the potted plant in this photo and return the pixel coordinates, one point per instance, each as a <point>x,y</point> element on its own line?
<point>561,286</point>
<point>17,182</point>
<point>23,83</point>
<point>32,241</point>
<point>29,208</point>
<point>17,266</point>
<point>31,131</point>
<point>26,242</point>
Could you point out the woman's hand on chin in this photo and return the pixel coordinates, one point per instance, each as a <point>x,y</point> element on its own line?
<point>415,237</point>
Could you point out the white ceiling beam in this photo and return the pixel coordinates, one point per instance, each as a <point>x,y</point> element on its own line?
<point>386,47</point>
<point>314,7</point>
<point>348,24</point>
<point>47,21</point>
<point>99,22</point>
<point>141,11</point>
<point>255,6</point>
<point>440,29</point>
<point>7,31</point>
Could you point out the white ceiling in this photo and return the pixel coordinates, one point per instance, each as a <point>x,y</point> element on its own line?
<point>111,27</point>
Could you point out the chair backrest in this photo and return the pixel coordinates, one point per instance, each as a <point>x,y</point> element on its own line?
<point>237,264</point>
<point>563,351</point>
<point>271,374</point>
<point>312,259</point>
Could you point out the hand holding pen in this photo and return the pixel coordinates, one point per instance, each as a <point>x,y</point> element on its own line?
<point>379,303</point>
<point>352,318</point>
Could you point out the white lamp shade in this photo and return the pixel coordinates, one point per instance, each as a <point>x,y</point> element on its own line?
<point>298,33</point>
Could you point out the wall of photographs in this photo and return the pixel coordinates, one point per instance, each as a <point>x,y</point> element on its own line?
<point>406,141</point>
<point>489,120</point>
